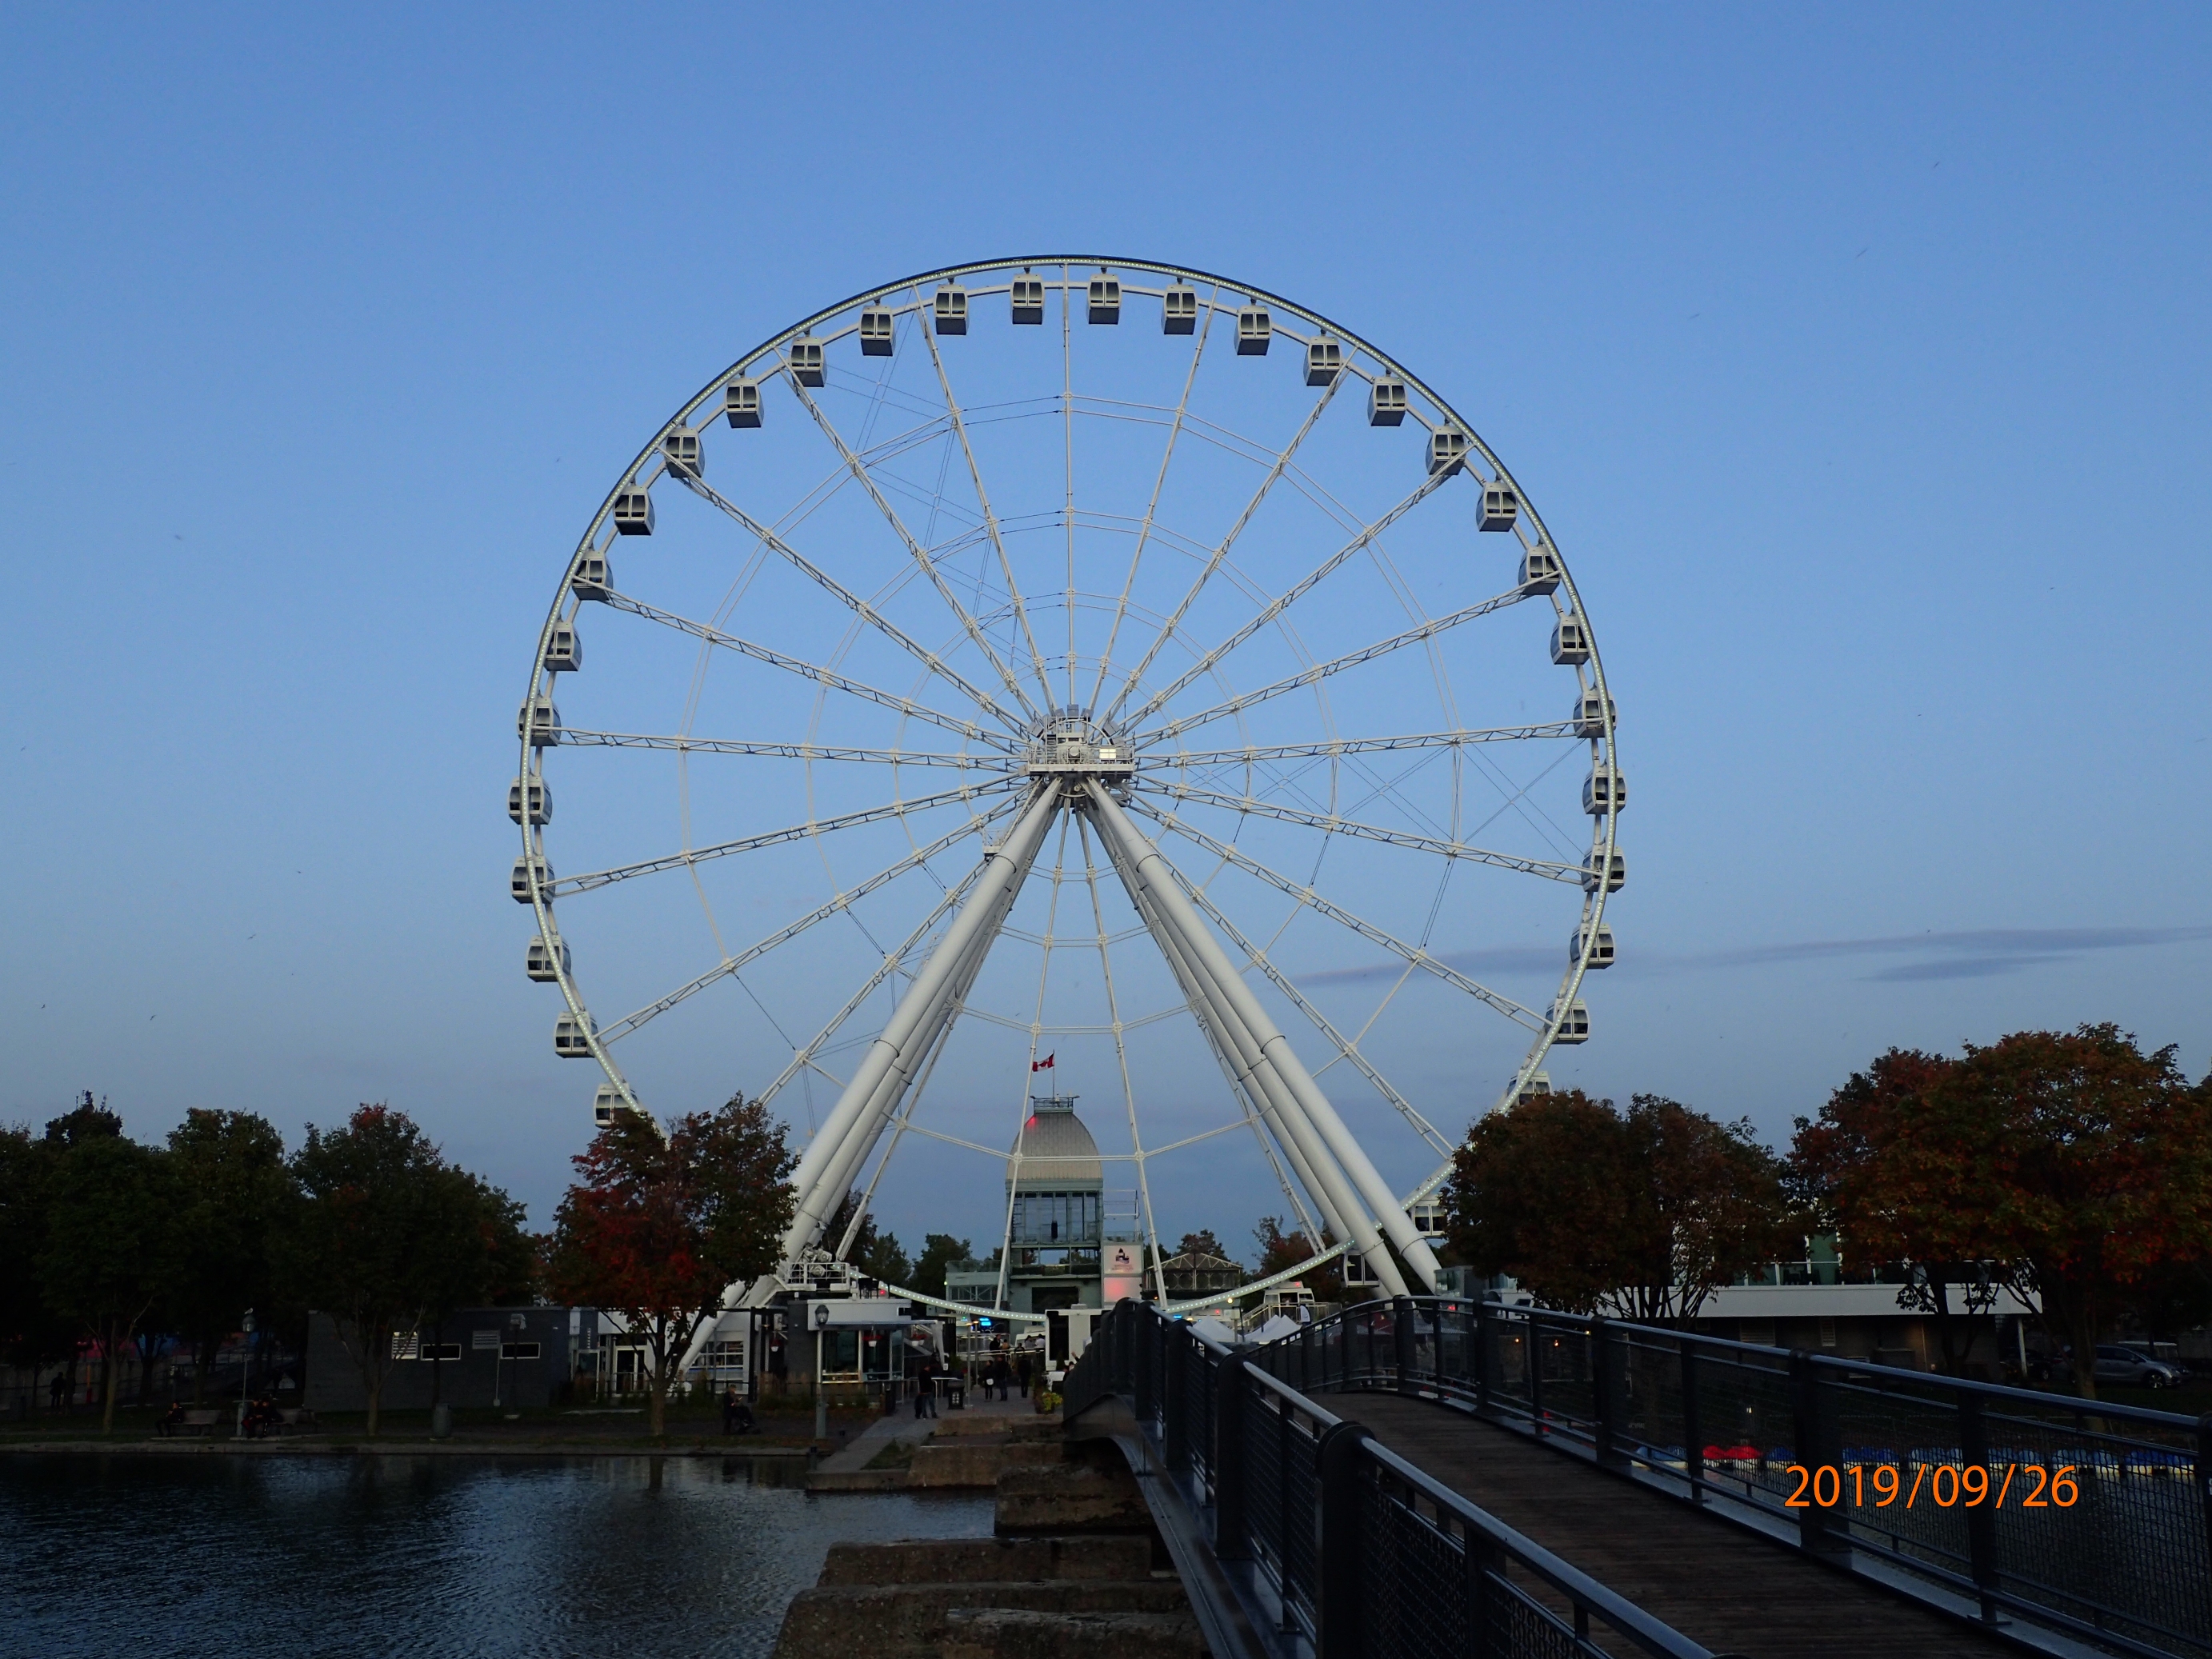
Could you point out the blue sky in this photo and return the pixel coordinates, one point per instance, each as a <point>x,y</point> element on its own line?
<point>1857,357</point>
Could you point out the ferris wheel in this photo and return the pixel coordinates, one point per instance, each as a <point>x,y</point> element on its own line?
<point>1082,664</point>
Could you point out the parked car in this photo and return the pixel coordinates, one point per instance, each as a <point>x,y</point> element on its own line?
<point>2118,1365</point>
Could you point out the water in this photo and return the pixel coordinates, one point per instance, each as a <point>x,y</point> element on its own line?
<point>246,1555</point>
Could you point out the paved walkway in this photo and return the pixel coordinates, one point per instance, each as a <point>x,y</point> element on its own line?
<point>1717,1583</point>
<point>903,1427</point>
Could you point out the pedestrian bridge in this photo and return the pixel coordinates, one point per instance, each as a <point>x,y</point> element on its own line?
<point>1435,1477</point>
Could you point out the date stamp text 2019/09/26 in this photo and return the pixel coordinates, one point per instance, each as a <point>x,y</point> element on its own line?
<point>1945,1485</point>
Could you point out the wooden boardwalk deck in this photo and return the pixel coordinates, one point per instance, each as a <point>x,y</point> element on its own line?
<point>1717,1583</point>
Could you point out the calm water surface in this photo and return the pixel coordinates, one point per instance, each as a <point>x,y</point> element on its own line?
<point>247,1556</point>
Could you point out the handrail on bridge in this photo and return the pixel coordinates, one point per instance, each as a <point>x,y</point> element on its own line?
<point>2088,1521</point>
<point>1335,1544</point>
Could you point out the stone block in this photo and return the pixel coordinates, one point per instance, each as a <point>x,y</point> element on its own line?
<point>1070,1498</point>
<point>988,1560</point>
<point>1014,1633</point>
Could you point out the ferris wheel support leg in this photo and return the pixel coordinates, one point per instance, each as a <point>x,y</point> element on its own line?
<point>1411,1247</point>
<point>1268,1056</point>
<point>1241,1076</point>
<point>814,1183</point>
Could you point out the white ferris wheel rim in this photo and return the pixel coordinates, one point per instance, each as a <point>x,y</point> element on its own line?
<point>909,296</point>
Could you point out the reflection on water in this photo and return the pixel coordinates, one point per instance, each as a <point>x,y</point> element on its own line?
<point>390,1555</point>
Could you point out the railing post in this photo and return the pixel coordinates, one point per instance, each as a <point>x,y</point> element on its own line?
<point>1534,1367</point>
<point>1606,1392</point>
<point>1340,1542</point>
<point>1401,1342</point>
<point>1810,1421</point>
<point>1143,1391</point>
<point>1475,1565</point>
<point>1981,1519</point>
<point>1174,1409</point>
<point>1231,1387</point>
<point>1305,1354</point>
<point>1485,1359</point>
<point>2203,1470</point>
<point>1693,1431</point>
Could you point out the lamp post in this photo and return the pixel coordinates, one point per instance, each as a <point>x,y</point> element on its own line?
<point>245,1372</point>
<point>821,1397</point>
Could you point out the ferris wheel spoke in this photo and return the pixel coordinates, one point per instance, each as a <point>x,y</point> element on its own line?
<point>732,965</point>
<point>1152,508</point>
<point>577,737</point>
<point>853,602</point>
<point>1330,747</point>
<point>1315,672</point>
<point>808,671</point>
<point>1348,1048</point>
<point>1215,558</point>
<point>813,827</point>
<point>922,561</point>
<point>1367,930</point>
<point>1550,869</point>
<point>983,499</point>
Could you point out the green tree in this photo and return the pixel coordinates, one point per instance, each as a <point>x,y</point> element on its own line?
<point>654,1229</point>
<point>31,1334</point>
<point>941,1254</point>
<point>1642,1214</point>
<point>877,1254</point>
<point>237,1199</point>
<point>1202,1242</point>
<point>388,1235</point>
<point>110,1245</point>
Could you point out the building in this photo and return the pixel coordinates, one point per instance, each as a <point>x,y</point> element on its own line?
<point>1198,1273</point>
<point>516,1358</point>
<point>1058,1231</point>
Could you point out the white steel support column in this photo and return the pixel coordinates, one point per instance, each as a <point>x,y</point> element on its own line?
<point>1319,1115</point>
<point>897,1050</point>
<point>1266,1056</point>
<point>1242,1077</point>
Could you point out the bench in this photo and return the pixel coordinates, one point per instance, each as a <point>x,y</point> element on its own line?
<point>200,1422</point>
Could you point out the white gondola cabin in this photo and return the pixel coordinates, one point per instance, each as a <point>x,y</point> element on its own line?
<point>1573,1020</point>
<point>877,332</point>
<point>1501,505</point>
<point>951,309</point>
<point>1571,641</point>
<point>1026,295</point>
<point>634,510</point>
<point>804,355</point>
<point>1540,570</point>
<point>1539,1083</point>
<point>1386,403</point>
<point>538,720</point>
<point>606,1101</point>
<point>572,1037</point>
<point>1593,712</point>
<point>1446,451</point>
<point>1605,790</point>
<point>532,875</point>
<point>530,794</point>
<point>1615,875</point>
<point>564,647</point>
<point>1256,331</point>
<point>1601,948</point>
<point>1324,361</point>
<point>741,403</point>
<point>594,577</point>
<point>679,447</point>
<point>1105,300</point>
<point>1179,310</point>
<point>545,963</point>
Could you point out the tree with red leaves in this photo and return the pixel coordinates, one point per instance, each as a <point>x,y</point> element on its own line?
<point>2072,1163</point>
<point>1642,1214</point>
<point>1280,1251</point>
<point>654,1228</point>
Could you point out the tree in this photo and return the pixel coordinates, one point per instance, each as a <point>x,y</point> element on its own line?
<point>941,1254</point>
<point>388,1234</point>
<point>654,1229</point>
<point>237,1196</point>
<point>1203,1242</point>
<point>109,1248</point>
<point>31,1333</point>
<point>1281,1251</point>
<point>875,1254</point>
<point>1644,1215</point>
<point>1872,1168</point>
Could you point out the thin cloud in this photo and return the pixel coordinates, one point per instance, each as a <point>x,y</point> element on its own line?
<point>1977,953</point>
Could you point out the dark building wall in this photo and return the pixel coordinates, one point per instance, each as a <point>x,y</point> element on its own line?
<point>478,1378</point>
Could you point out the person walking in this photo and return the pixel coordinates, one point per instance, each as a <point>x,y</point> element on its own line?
<point>1022,1372</point>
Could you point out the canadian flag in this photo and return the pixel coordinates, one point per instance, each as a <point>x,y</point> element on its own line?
<point>1044,1065</point>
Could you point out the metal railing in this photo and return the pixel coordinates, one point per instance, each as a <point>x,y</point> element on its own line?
<point>2088,1520</point>
<point>1338,1546</point>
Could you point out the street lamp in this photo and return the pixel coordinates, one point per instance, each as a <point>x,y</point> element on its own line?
<point>245,1372</point>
